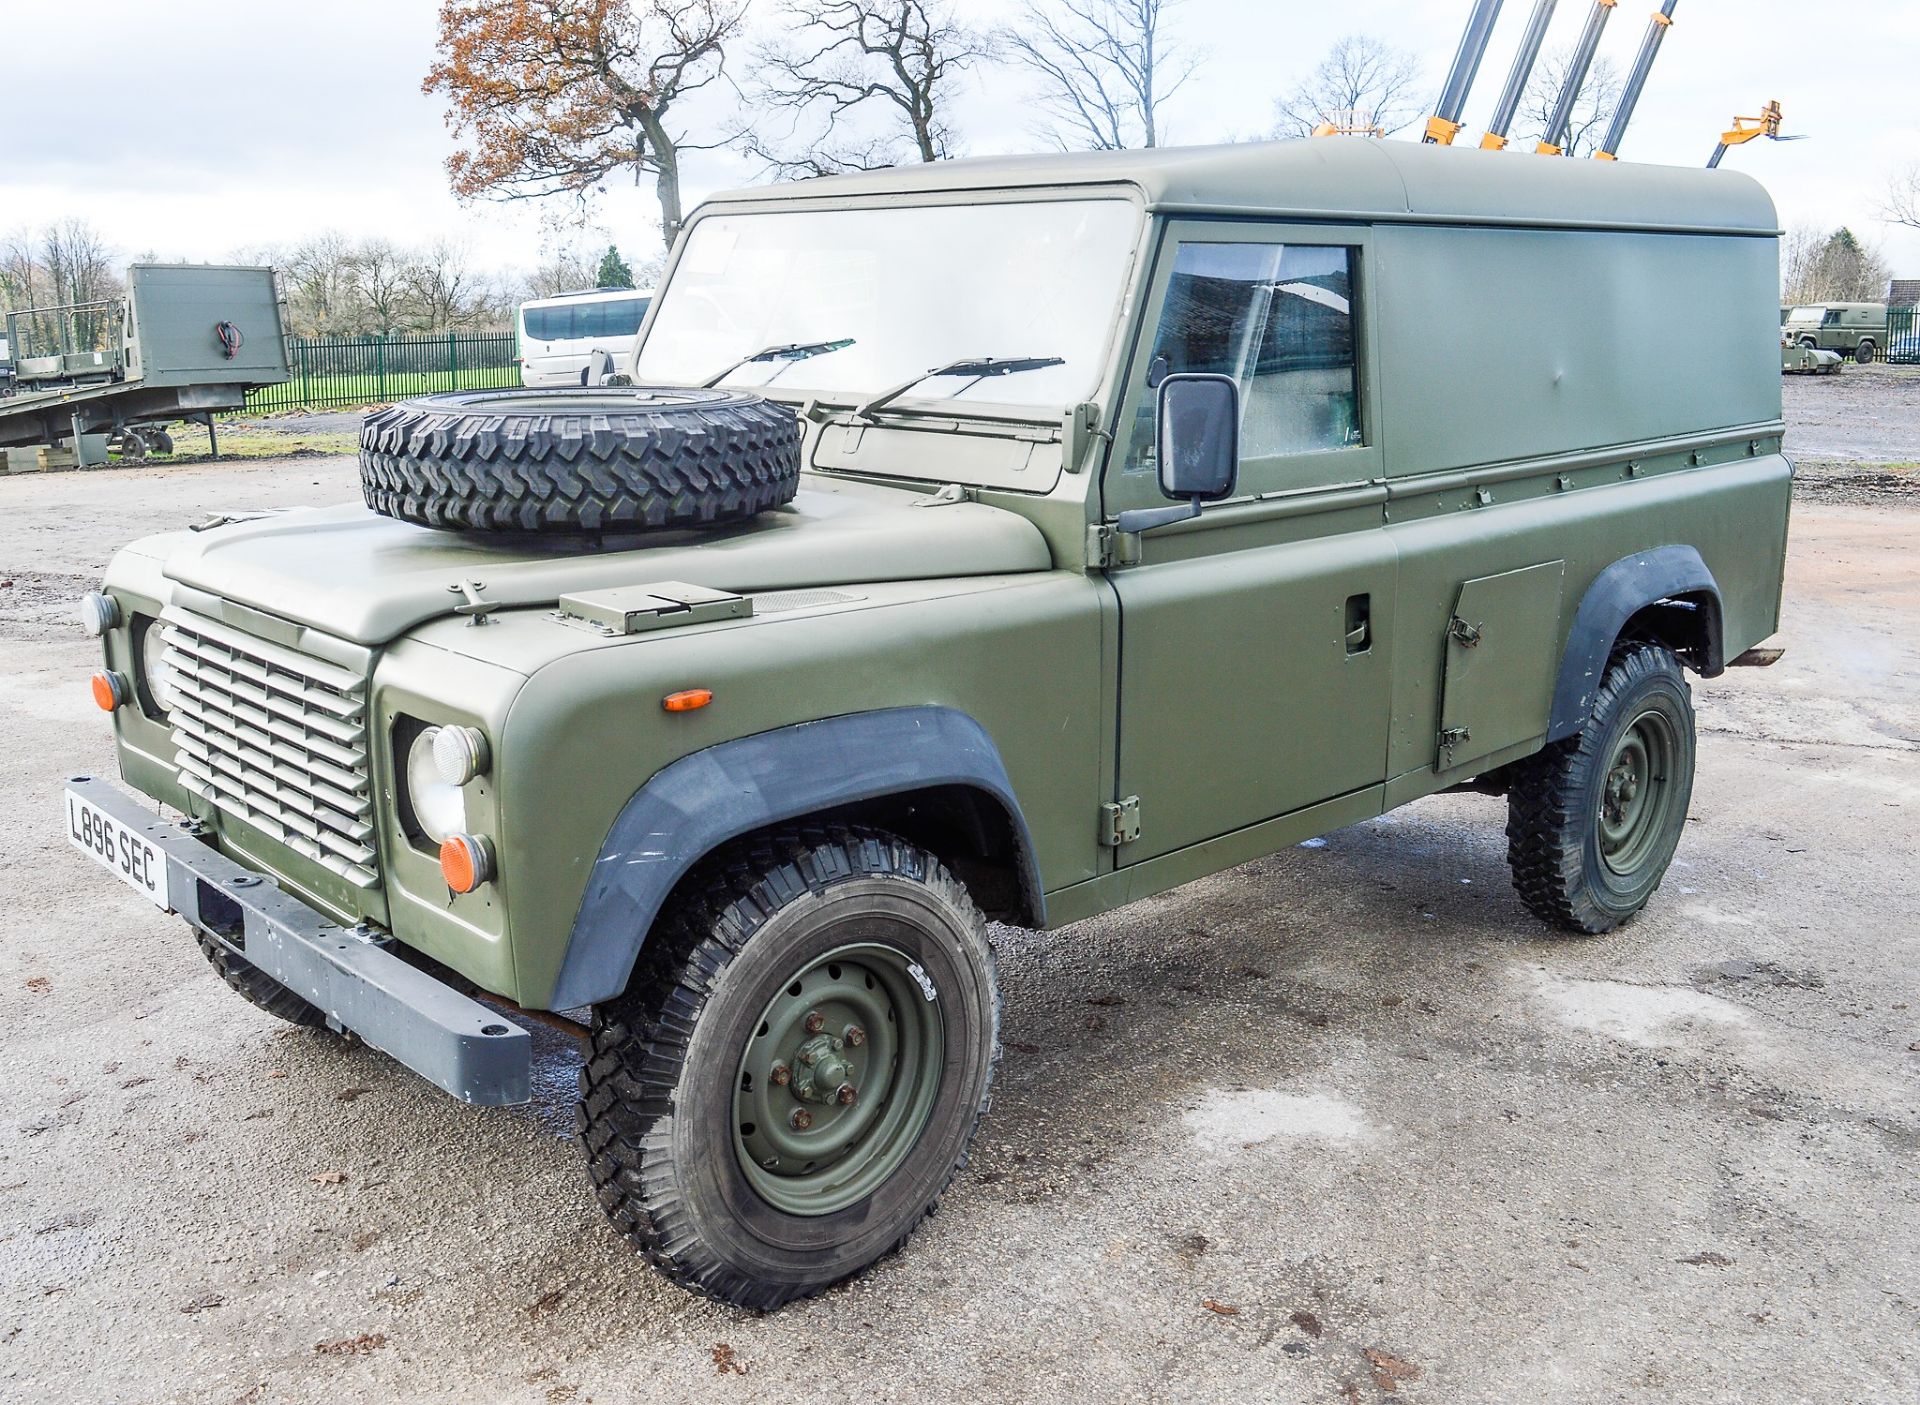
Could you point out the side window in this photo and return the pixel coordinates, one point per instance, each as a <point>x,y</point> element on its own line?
<point>623,318</point>
<point>1279,319</point>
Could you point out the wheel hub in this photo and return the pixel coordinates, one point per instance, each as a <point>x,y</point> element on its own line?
<point>1635,795</point>
<point>838,1080</point>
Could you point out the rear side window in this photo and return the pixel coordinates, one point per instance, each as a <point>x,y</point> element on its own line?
<point>548,323</point>
<point>586,321</point>
<point>1278,318</point>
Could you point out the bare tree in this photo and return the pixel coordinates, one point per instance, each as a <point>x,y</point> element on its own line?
<point>1592,111</point>
<point>1901,204</point>
<point>379,273</point>
<point>1362,82</point>
<point>443,290</point>
<point>555,96</point>
<point>317,278</point>
<point>845,59</point>
<point>566,271</point>
<point>19,271</point>
<point>77,268</point>
<point>1105,68</point>
<point>1835,267</point>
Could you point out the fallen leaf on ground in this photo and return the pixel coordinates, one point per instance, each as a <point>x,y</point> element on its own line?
<point>546,1302</point>
<point>328,1178</point>
<point>1389,1370</point>
<point>725,1362</point>
<point>203,1302</point>
<point>1224,1309</point>
<point>347,1095</point>
<point>352,1346</point>
<point>276,1073</point>
<point>40,985</point>
<point>1020,1046</point>
<point>1106,1000</point>
<point>1307,1323</point>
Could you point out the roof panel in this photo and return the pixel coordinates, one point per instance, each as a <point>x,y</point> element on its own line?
<point>1345,177</point>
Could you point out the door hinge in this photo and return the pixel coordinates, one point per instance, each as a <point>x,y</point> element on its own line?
<point>1452,737</point>
<point>1120,822</point>
<point>1109,546</point>
<point>1468,635</point>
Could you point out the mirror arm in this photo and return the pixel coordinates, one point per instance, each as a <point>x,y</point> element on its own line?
<point>1145,519</point>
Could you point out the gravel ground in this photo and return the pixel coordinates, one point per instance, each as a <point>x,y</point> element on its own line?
<point>1855,436</point>
<point>1342,1125</point>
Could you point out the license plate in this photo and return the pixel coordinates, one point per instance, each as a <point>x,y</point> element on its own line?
<point>125,853</point>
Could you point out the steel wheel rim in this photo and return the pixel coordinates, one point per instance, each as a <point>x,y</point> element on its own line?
<point>804,1145</point>
<point>1636,793</point>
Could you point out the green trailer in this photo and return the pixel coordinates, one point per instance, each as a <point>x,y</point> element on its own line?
<point>187,341</point>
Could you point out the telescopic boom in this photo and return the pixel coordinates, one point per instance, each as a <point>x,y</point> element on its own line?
<point>1657,29</point>
<point>1444,125</point>
<point>1554,140</point>
<point>1509,105</point>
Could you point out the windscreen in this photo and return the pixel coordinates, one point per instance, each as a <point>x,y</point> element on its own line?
<point>906,289</point>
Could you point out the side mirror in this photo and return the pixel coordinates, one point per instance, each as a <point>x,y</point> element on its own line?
<point>1198,434</point>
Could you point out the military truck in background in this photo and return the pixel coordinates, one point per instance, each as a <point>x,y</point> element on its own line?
<point>186,341</point>
<point>1856,329</point>
<point>998,540</point>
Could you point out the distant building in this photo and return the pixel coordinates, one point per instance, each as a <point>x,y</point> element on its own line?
<point>1904,292</point>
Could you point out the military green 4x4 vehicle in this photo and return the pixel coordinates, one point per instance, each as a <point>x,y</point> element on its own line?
<point>1024,537</point>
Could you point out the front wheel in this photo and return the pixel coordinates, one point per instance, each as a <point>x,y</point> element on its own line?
<point>798,1068</point>
<point>1593,821</point>
<point>1863,353</point>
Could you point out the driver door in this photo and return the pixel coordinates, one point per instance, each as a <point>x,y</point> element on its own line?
<point>1255,639</point>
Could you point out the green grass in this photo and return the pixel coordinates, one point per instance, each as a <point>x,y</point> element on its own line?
<point>336,392</point>
<point>245,439</point>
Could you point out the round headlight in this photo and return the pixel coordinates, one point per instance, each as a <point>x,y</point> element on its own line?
<point>155,668</point>
<point>460,753</point>
<point>98,613</point>
<point>437,805</point>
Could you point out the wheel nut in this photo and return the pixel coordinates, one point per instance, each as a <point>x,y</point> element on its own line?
<point>846,1095</point>
<point>815,1022</point>
<point>856,1036</point>
<point>801,1119</point>
<point>780,1075</point>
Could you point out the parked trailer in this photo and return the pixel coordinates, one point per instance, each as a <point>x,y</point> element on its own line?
<point>186,342</point>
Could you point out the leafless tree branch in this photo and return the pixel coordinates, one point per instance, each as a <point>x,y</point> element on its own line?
<point>1105,69</point>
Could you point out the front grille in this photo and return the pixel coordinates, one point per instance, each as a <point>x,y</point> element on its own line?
<point>277,739</point>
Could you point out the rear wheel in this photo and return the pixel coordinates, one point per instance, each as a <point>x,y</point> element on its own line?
<point>1864,353</point>
<point>798,1069</point>
<point>1593,820</point>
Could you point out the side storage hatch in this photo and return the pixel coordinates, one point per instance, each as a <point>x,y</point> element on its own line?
<point>1501,663</point>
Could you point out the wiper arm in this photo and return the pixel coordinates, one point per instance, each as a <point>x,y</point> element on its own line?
<point>978,367</point>
<point>781,351</point>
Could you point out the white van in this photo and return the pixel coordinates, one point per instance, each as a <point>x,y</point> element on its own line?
<point>580,338</point>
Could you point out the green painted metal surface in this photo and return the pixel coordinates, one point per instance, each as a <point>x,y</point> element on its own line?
<point>1456,413</point>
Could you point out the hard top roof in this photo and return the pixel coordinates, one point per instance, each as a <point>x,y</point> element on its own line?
<point>1343,178</point>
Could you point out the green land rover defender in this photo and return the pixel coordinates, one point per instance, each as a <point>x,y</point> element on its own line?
<point>999,540</point>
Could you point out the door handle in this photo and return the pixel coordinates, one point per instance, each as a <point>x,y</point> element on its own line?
<point>1359,623</point>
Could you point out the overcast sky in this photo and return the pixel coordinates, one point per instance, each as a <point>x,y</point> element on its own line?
<point>194,128</point>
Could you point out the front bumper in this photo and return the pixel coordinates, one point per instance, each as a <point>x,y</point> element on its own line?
<point>449,1039</point>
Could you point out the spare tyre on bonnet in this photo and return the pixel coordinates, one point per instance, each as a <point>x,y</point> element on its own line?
<point>573,460</point>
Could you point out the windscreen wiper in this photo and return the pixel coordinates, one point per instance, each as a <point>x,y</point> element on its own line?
<point>976,367</point>
<point>789,351</point>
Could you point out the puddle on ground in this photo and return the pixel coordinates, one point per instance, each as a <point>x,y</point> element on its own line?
<point>1230,1121</point>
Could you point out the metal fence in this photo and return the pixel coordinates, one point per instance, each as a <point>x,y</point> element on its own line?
<point>1903,336</point>
<point>329,372</point>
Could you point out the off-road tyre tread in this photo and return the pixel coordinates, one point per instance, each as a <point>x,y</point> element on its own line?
<point>1548,796</point>
<point>258,987</point>
<point>676,459</point>
<point>638,1042</point>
